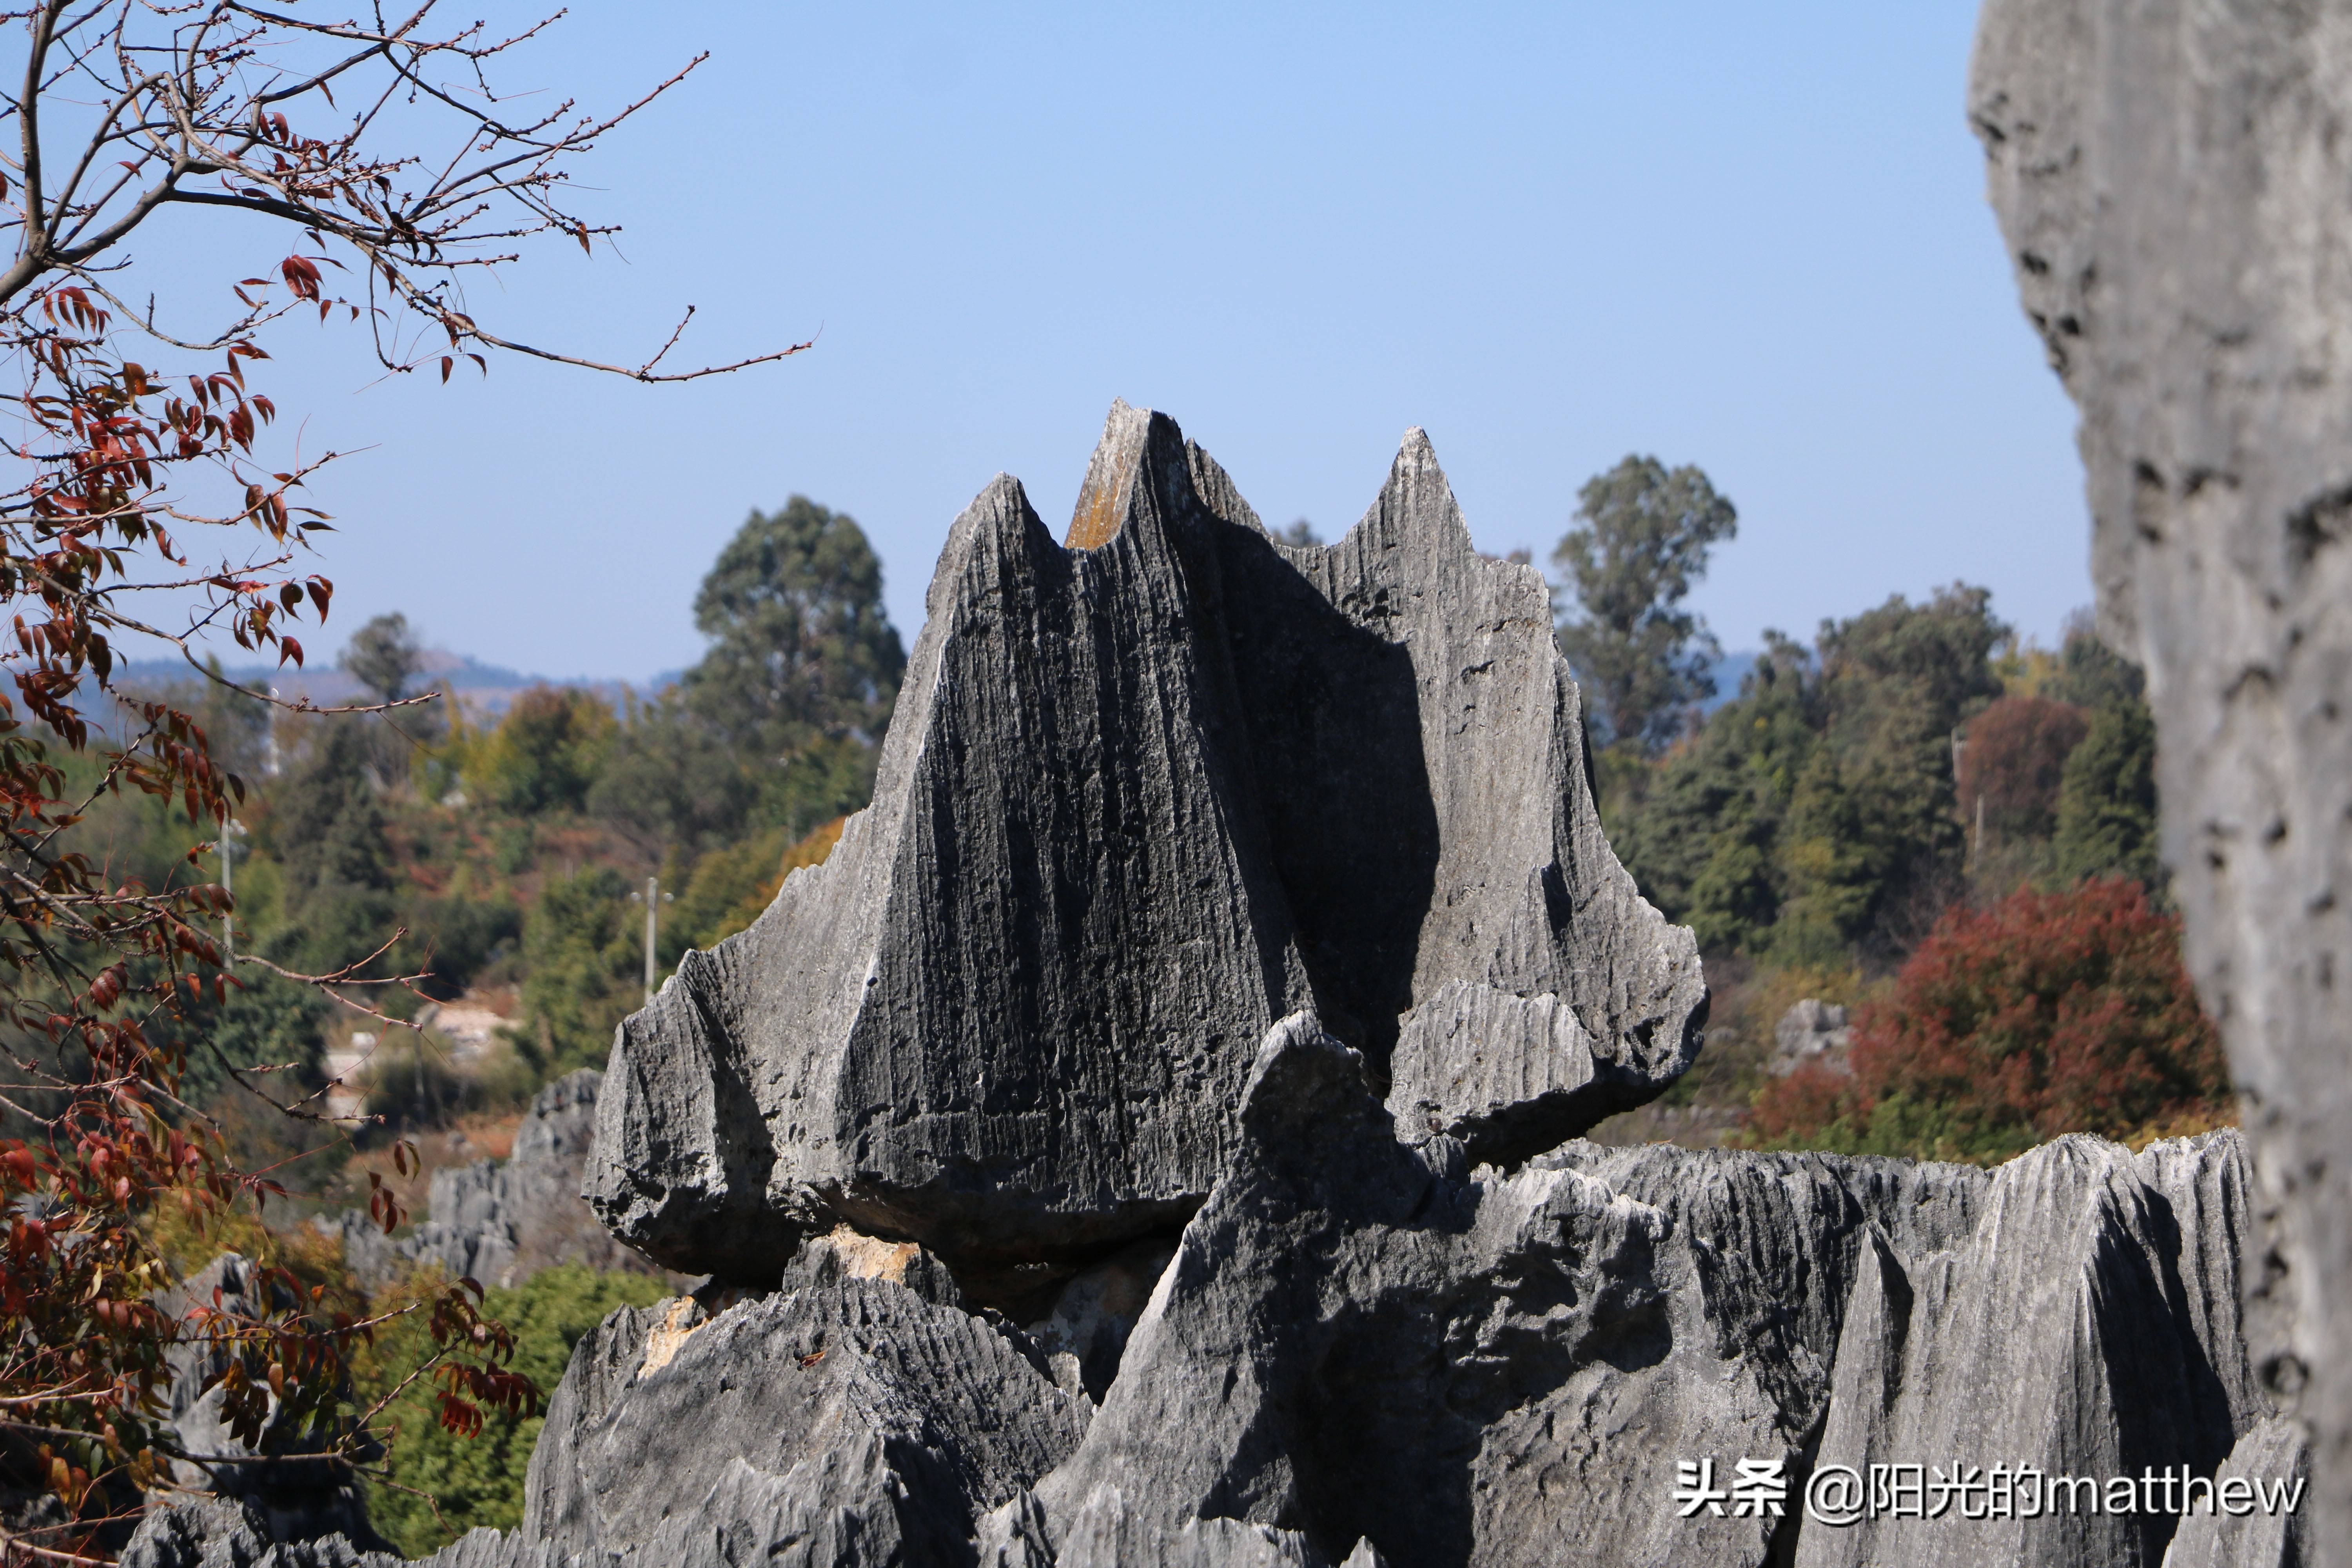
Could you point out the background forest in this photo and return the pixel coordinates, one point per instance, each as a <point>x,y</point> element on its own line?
<point>1943,835</point>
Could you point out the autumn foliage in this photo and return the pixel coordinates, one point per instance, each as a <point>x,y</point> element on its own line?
<point>137,466</point>
<point>2014,761</point>
<point>2046,1014</point>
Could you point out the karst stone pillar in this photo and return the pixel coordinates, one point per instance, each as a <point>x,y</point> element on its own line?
<point>2174,180</point>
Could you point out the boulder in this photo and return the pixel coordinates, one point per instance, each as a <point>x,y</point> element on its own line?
<point>855,1421</point>
<point>1144,795</point>
<point>2170,183</point>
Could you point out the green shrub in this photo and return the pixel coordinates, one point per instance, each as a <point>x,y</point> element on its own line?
<point>479,1480</point>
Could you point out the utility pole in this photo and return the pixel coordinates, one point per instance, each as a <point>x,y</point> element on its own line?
<point>652,908</point>
<point>231,830</point>
<point>652,897</point>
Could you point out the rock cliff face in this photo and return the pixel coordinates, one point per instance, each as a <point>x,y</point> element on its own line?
<point>2171,182</point>
<point>1149,1140</point>
<point>1142,796</point>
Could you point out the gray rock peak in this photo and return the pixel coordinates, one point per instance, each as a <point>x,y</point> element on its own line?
<point>1812,1031</point>
<point>1146,794</point>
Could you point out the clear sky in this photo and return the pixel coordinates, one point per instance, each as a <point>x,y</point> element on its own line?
<point>1751,237</point>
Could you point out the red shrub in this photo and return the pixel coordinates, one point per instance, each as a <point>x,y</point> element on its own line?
<point>2015,752</point>
<point>2049,1012</point>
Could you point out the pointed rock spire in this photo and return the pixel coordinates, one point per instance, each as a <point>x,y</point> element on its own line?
<point>1147,793</point>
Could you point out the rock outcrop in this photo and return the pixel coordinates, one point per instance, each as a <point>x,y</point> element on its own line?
<point>287,1502</point>
<point>1811,1033</point>
<point>1149,1140</point>
<point>1142,797</point>
<point>1360,1351</point>
<point>501,1221</point>
<point>2171,180</point>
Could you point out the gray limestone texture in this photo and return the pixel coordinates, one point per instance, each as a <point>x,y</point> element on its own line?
<point>1358,1341</point>
<point>1364,1350</point>
<point>1812,1032</point>
<point>501,1221</point>
<point>2170,179</point>
<point>290,1503</point>
<point>850,1421</point>
<point>1144,795</point>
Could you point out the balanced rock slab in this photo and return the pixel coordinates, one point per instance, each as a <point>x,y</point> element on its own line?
<point>1144,796</point>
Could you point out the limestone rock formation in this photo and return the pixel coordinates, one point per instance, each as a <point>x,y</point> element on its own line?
<point>1215,988</point>
<point>1812,1031</point>
<point>1142,797</point>
<point>288,1502</point>
<point>1360,1351</point>
<point>502,1221</point>
<point>2171,180</point>
<point>855,1417</point>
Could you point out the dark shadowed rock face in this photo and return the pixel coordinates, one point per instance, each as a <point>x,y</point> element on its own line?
<point>1140,800</point>
<point>2170,179</point>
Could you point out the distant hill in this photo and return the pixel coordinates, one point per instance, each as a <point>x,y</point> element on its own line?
<point>486,689</point>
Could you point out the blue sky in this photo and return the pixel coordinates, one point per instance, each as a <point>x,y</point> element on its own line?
<point>1745,236</point>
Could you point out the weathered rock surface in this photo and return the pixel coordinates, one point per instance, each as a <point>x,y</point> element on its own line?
<point>1357,1342</point>
<point>1812,1032</point>
<point>854,1421</point>
<point>502,1221</point>
<point>2240,1527</point>
<point>1215,988</point>
<point>1361,1351</point>
<point>1142,797</point>
<point>2171,180</point>
<point>290,1503</point>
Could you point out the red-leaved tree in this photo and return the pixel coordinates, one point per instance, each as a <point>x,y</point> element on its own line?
<point>373,154</point>
<point>2015,756</point>
<point>2046,1014</point>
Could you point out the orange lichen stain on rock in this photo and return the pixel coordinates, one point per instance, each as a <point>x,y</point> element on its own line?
<point>871,1258</point>
<point>669,1336</point>
<point>1102,506</point>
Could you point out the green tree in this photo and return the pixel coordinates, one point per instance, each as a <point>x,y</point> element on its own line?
<point>801,645</point>
<point>672,781</point>
<point>1812,817</point>
<point>478,1482</point>
<point>2106,799</point>
<point>1897,681</point>
<point>584,967</point>
<point>327,831</point>
<point>1645,536</point>
<point>383,657</point>
<point>2091,675</point>
<point>546,753</point>
<point>1703,837</point>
